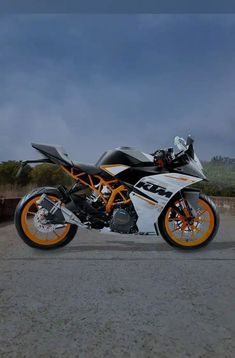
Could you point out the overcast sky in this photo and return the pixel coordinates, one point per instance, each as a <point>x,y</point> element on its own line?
<point>95,82</point>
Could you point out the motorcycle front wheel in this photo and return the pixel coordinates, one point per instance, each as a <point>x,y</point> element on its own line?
<point>33,228</point>
<point>179,233</point>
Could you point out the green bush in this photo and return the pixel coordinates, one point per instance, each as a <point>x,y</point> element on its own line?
<point>8,171</point>
<point>49,174</point>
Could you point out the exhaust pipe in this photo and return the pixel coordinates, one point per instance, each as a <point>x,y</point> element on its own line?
<point>59,211</point>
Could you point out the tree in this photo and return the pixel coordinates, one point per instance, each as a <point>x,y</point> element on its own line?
<point>8,171</point>
<point>49,174</point>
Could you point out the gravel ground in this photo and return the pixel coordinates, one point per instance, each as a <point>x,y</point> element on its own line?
<point>117,296</point>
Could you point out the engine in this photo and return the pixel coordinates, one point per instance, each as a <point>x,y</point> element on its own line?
<point>124,221</point>
<point>90,209</point>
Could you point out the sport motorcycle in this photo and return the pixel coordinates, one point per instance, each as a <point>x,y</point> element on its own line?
<point>127,191</point>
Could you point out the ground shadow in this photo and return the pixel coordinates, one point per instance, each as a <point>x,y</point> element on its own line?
<point>6,223</point>
<point>132,246</point>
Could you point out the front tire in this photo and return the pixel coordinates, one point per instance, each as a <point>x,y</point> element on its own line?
<point>29,233</point>
<point>178,233</point>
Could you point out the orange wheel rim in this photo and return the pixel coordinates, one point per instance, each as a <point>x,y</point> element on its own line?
<point>33,233</point>
<point>195,234</point>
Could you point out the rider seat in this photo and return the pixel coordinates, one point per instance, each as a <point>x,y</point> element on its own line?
<point>88,168</point>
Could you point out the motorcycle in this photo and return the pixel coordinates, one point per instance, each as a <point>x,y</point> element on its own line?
<point>127,192</point>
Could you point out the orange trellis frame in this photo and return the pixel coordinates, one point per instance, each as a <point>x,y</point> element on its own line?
<point>118,194</point>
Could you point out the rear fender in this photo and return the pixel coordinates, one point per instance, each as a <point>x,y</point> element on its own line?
<point>39,191</point>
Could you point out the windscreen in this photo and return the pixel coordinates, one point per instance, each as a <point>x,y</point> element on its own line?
<point>193,167</point>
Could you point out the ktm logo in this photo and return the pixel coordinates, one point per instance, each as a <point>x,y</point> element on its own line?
<point>156,189</point>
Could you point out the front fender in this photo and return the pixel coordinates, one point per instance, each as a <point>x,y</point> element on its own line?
<point>191,196</point>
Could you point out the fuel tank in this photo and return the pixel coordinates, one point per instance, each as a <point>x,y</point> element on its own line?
<point>127,156</point>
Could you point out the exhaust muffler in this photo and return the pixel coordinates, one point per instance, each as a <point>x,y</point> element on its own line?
<point>59,212</point>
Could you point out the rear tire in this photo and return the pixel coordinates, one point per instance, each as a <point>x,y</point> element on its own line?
<point>24,212</point>
<point>208,217</point>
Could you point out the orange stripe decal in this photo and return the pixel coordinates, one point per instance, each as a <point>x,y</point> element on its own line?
<point>180,179</point>
<point>148,201</point>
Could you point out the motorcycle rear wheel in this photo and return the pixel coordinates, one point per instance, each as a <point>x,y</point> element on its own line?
<point>178,233</point>
<point>31,235</point>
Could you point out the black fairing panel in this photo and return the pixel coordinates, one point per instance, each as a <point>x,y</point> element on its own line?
<point>124,155</point>
<point>134,174</point>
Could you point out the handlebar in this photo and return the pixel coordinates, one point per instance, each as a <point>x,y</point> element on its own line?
<point>166,157</point>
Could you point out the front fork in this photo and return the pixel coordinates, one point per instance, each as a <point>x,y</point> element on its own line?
<point>188,207</point>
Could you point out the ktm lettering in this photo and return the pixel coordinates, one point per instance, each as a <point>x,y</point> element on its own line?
<point>156,189</point>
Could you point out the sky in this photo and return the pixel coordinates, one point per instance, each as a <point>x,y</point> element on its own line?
<point>96,82</point>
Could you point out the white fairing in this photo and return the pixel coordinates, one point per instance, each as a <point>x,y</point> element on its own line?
<point>161,188</point>
<point>114,169</point>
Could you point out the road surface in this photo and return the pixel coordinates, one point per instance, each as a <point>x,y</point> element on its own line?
<point>117,296</point>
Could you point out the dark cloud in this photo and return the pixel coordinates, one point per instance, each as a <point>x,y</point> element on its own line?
<point>92,83</point>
